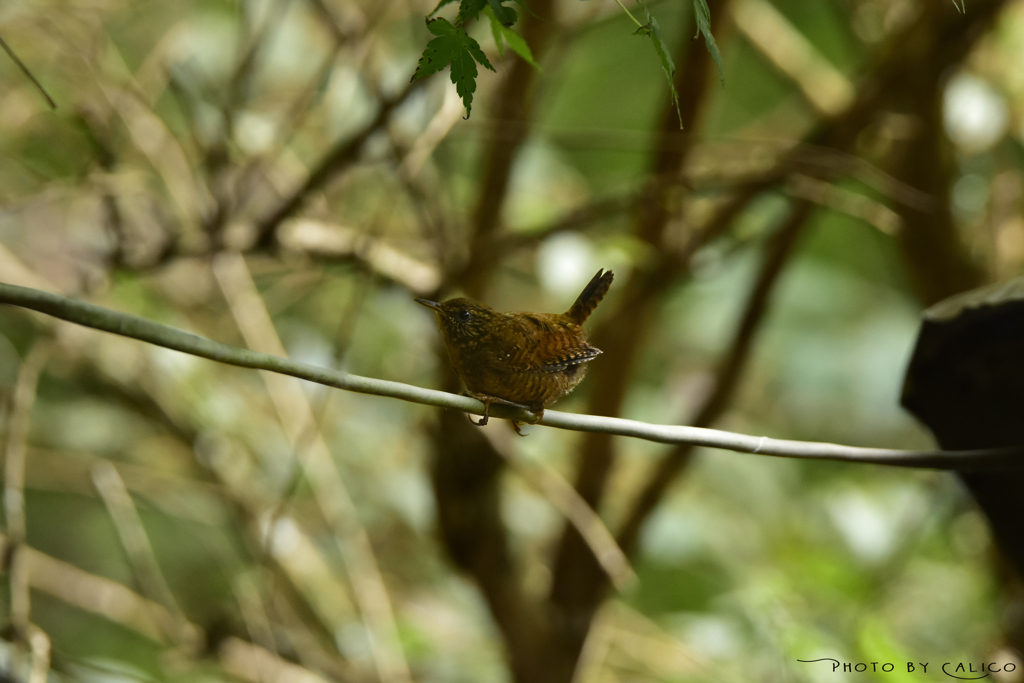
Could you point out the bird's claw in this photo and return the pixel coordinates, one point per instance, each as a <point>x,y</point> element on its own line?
<point>483,418</point>
<point>515,423</point>
<point>538,413</point>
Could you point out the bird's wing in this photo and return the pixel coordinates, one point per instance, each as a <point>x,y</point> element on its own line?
<point>542,343</point>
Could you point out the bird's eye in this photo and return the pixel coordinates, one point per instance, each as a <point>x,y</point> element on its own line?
<point>463,315</point>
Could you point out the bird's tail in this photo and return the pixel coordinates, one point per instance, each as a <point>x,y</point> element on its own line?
<point>591,296</point>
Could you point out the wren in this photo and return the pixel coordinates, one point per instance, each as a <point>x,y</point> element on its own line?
<point>525,360</point>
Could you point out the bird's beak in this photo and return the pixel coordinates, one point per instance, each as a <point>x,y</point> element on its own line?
<point>430,304</point>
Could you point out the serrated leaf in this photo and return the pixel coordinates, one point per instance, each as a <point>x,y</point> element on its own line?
<point>478,54</point>
<point>469,9</point>
<point>703,17</point>
<point>503,34</point>
<point>453,46</point>
<point>506,15</point>
<point>438,52</point>
<point>653,31</point>
<point>439,6</point>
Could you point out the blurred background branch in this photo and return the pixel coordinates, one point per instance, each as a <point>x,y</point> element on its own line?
<point>26,635</point>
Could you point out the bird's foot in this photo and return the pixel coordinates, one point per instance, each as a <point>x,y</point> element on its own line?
<point>540,415</point>
<point>488,400</point>
<point>487,412</point>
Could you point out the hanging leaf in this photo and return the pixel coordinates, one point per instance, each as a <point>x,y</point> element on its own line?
<point>503,34</point>
<point>469,9</point>
<point>506,15</point>
<point>453,46</point>
<point>703,16</point>
<point>652,31</point>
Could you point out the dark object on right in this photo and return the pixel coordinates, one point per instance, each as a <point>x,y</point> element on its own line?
<point>965,382</point>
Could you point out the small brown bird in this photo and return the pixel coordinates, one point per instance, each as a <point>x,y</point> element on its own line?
<point>526,360</point>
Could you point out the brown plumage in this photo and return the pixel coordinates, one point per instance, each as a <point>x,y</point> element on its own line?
<point>527,360</point>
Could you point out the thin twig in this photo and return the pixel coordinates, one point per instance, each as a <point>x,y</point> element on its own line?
<point>140,552</point>
<point>14,510</point>
<point>24,69</point>
<point>91,593</point>
<point>308,600</point>
<point>824,86</point>
<point>127,325</point>
<point>727,375</point>
<point>568,501</point>
<point>341,33</point>
<point>595,647</point>
<point>121,605</point>
<point>845,201</point>
<point>39,644</point>
<point>342,339</point>
<point>251,662</point>
<point>337,242</point>
<point>298,418</point>
<point>342,155</point>
<point>628,14</point>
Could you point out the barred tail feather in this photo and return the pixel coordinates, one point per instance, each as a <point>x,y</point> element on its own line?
<point>591,296</point>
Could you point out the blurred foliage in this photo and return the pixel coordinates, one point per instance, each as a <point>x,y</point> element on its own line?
<point>182,126</point>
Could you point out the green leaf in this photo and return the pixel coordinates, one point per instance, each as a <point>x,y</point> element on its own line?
<point>453,46</point>
<point>506,15</point>
<point>703,16</point>
<point>651,30</point>
<point>961,7</point>
<point>439,6</point>
<point>503,34</point>
<point>469,9</point>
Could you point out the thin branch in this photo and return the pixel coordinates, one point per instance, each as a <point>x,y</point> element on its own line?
<point>39,644</point>
<point>127,325</point>
<point>845,201</point>
<point>121,605</point>
<point>440,125</point>
<point>628,14</point>
<point>251,662</point>
<point>568,501</point>
<point>298,419</point>
<point>727,375</point>
<point>297,574</point>
<point>595,647</point>
<point>14,511</point>
<point>340,30</point>
<point>164,151</point>
<point>140,552</point>
<point>337,242</point>
<point>92,593</point>
<point>578,218</point>
<point>341,156</point>
<point>824,86</point>
<point>24,69</point>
